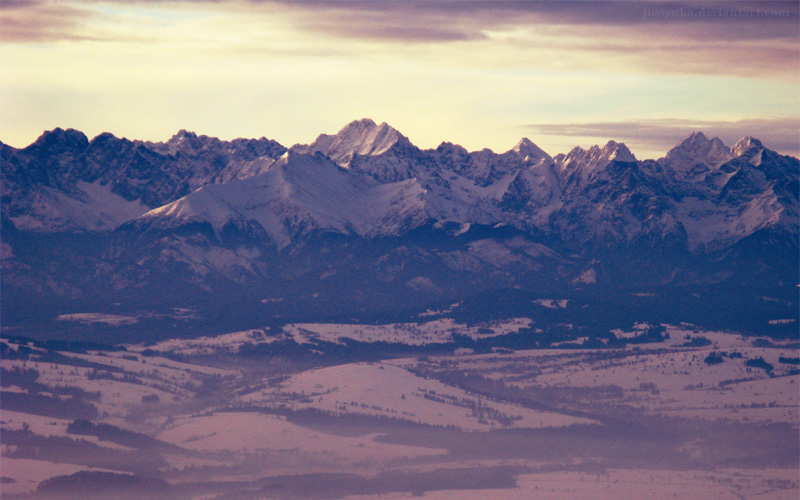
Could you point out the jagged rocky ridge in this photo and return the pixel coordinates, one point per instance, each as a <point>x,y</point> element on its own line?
<point>365,214</point>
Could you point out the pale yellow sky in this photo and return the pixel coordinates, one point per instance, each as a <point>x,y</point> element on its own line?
<point>478,74</point>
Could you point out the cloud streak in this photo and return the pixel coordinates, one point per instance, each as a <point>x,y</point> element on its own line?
<point>438,20</point>
<point>781,134</point>
<point>466,71</point>
<point>740,38</point>
<point>39,21</point>
<point>752,39</point>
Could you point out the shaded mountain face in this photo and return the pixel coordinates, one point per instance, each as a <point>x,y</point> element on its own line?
<point>64,182</point>
<point>364,219</point>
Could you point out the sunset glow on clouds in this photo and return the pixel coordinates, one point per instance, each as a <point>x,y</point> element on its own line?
<point>482,74</point>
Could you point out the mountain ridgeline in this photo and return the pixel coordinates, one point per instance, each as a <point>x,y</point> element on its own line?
<point>364,223</point>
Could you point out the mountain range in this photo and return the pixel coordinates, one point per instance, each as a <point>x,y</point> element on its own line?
<point>364,220</point>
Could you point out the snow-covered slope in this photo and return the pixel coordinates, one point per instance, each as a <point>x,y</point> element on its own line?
<point>609,200</point>
<point>361,137</point>
<point>376,151</point>
<point>579,165</point>
<point>701,192</point>
<point>530,152</point>
<point>695,156</point>
<point>299,193</point>
<point>486,167</point>
<point>386,390</point>
<point>64,182</point>
<point>723,195</point>
<point>433,220</point>
<point>92,207</point>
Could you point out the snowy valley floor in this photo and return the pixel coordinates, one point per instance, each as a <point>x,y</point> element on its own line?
<point>694,415</point>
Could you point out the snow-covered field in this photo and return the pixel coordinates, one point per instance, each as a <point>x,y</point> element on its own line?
<point>28,473</point>
<point>260,433</point>
<point>206,346</point>
<point>438,331</point>
<point>552,303</point>
<point>725,484</point>
<point>544,411</point>
<point>108,319</point>
<point>385,390</point>
<point>664,378</point>
<point>432,332</point>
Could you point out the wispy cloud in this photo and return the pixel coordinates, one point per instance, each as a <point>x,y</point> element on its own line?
<point>747,38</point>
<point>754,39</point>
<point>465,71</point>
<point>781,134</point>
<point>40,21</point>
<point>732,20</point>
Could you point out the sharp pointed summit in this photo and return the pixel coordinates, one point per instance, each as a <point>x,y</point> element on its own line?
<point>697,150</point>
<point>529,151</point>
<point>361,137</point>
<point>617,151</point>
<point>746,144</point>
<point>586,161</point>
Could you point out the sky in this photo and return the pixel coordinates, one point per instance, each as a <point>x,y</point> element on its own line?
<point>482,74</point>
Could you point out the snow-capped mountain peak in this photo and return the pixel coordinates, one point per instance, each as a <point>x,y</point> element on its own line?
<point>745,144</point>
<point>333,184</point>
<point>361,137</point>
<point>366,210</point>
<point>595,158</point>
<point>299,193</point>
<point>697,136</point>
<point>529,151</point>
<point>617,151</point>
<point>697,149</point>
<point>748,149</point>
